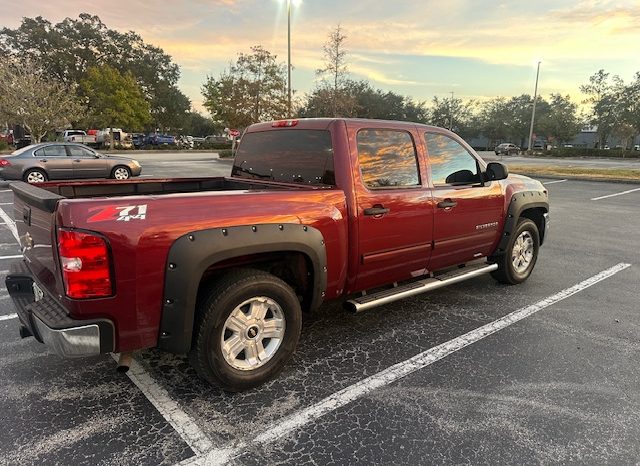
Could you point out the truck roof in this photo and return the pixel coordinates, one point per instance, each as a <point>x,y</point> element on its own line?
<point>325,123</point>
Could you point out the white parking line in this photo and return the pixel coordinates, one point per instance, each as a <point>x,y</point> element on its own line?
<point>8,317</point>
<point>551,182</point>
<point>616,194</point>
<point>169,409</point>
<point>5,191</point>
<point>10,223</point>
<point>345,396</point>
<point>6,203</point>
<point>11,257</point>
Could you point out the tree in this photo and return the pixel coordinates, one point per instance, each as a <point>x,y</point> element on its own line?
<point>335,66</point>
<point>494,120</point>
<point>253,89</point>
<point>601,96</point>
<point>358,99</point>
<point>35,100</point>
<point>70,48</point>
<point>561,122</point>
<point>455,112</point>
<point>114,99</point>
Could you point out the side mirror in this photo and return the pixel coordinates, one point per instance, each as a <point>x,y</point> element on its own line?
<point>496,171</point>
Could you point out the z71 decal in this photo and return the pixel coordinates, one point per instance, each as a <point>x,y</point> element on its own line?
<point>119,214</point>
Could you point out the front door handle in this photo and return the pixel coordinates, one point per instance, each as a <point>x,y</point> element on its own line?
<point>43,160</point>
<point>77,160</point>
<point>447,204</point>
<point>376,211</point>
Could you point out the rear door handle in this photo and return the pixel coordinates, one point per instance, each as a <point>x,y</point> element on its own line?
<point>376,210</point>
<point>447,204</point>
<point>77,160</point>
<point>43,160</point>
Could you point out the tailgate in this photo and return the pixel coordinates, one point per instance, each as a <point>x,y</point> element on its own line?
<point>34,211</point>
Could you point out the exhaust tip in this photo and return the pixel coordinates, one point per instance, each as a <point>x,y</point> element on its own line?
<point>124,362</point>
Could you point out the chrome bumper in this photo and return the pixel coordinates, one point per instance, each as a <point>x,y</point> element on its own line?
<point>70,342</point>
<point>49,322</point>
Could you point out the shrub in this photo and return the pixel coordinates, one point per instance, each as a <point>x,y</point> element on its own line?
<point>585,152</point>
<point>4,145</point>
<point>226,153</point>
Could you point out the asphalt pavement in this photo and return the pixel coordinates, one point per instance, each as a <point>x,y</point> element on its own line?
<point>476,373</point>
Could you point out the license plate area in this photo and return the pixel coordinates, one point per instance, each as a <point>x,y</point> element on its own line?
<point>38,294</point>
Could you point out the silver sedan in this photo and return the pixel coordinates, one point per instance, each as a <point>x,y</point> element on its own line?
<point>38,163</point>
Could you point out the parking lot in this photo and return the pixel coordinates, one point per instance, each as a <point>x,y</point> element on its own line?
<point>476,373</point>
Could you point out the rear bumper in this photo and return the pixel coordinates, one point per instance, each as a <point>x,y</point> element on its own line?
<point>48,321</point>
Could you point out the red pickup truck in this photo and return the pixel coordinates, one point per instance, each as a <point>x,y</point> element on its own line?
<point>221,268</point>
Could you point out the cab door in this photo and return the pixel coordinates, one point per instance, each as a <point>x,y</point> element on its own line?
<point>468,212</point>
<point>394,208</point>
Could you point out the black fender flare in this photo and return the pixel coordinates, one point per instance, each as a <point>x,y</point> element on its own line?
<point>193,253</point>
<point>520,202</point>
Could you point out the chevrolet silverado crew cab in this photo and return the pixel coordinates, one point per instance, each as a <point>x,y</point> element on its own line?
<point>222,268</point>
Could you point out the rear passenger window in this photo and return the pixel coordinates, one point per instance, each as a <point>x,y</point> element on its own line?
<point>387,159</point>
<point>451,163</point>
<point>51,151</point>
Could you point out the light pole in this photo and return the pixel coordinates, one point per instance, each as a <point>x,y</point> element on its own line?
<point>451,112</point>
<point>289,58</point>
<point>533,113</point>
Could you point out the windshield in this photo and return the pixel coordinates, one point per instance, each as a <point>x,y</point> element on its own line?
<point>289,156</point>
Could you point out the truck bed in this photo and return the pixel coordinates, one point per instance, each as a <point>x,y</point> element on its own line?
<point>72,190</point>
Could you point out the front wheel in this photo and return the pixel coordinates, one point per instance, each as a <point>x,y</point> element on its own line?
<point>248,328</point>
<point>517,262</point>
<point>121,173</point>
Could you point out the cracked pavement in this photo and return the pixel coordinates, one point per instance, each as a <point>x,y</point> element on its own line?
<point>558,387</point>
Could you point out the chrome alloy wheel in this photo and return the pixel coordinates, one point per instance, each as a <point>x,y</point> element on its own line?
<point>121,173</point>
<point>253,333</point>
<point>36,177</point>
<point>522,252</point>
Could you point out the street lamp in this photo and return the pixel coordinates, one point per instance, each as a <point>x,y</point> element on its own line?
<point>296,3</point>
<point>533,113</point>
<point>451,112</point>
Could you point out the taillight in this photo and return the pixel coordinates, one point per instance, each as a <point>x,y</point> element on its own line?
<point>4,163</point>
<point>284,123</point>
<point>85,264</point>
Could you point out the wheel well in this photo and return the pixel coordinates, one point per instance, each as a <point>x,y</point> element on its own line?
<point>294,268</point>
<point>536,215</point>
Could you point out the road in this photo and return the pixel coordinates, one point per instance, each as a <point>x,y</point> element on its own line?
<point>451,377</point>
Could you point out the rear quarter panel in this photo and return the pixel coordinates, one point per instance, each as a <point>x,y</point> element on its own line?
<point>140,245</point>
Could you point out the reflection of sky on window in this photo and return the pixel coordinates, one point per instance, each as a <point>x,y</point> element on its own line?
<point>387,158</point>
<point>292,156</point>
<point>446,156</point>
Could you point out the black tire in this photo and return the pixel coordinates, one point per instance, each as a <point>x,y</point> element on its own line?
<point>507,272</point>
<point>35,173</point>
<point>224,298</point>
<point>121,169</point>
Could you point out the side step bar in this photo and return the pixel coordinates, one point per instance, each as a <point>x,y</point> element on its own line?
<point>422,286</point>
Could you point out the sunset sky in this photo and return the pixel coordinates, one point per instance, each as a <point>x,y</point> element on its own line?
<point>475,48</point>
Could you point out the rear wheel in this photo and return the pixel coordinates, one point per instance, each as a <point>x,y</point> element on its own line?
<point>521,254</point>
<point>248,328</point>
<point>35,176</point>
<point>121,173</point>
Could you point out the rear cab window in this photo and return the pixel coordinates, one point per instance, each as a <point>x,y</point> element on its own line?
<point>387,159</point>
<point>301,156</point>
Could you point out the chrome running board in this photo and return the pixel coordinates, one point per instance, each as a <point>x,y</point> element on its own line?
<point>422,286</point>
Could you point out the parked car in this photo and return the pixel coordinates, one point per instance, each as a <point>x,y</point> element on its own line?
<point>80,136</point>
<point>138,140</point>
<point>38,163</point>
<point>160,139</point>
<point>223,268</point>
<point>636,147</point>
<point>120,138</point>
<point>507,148</point>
